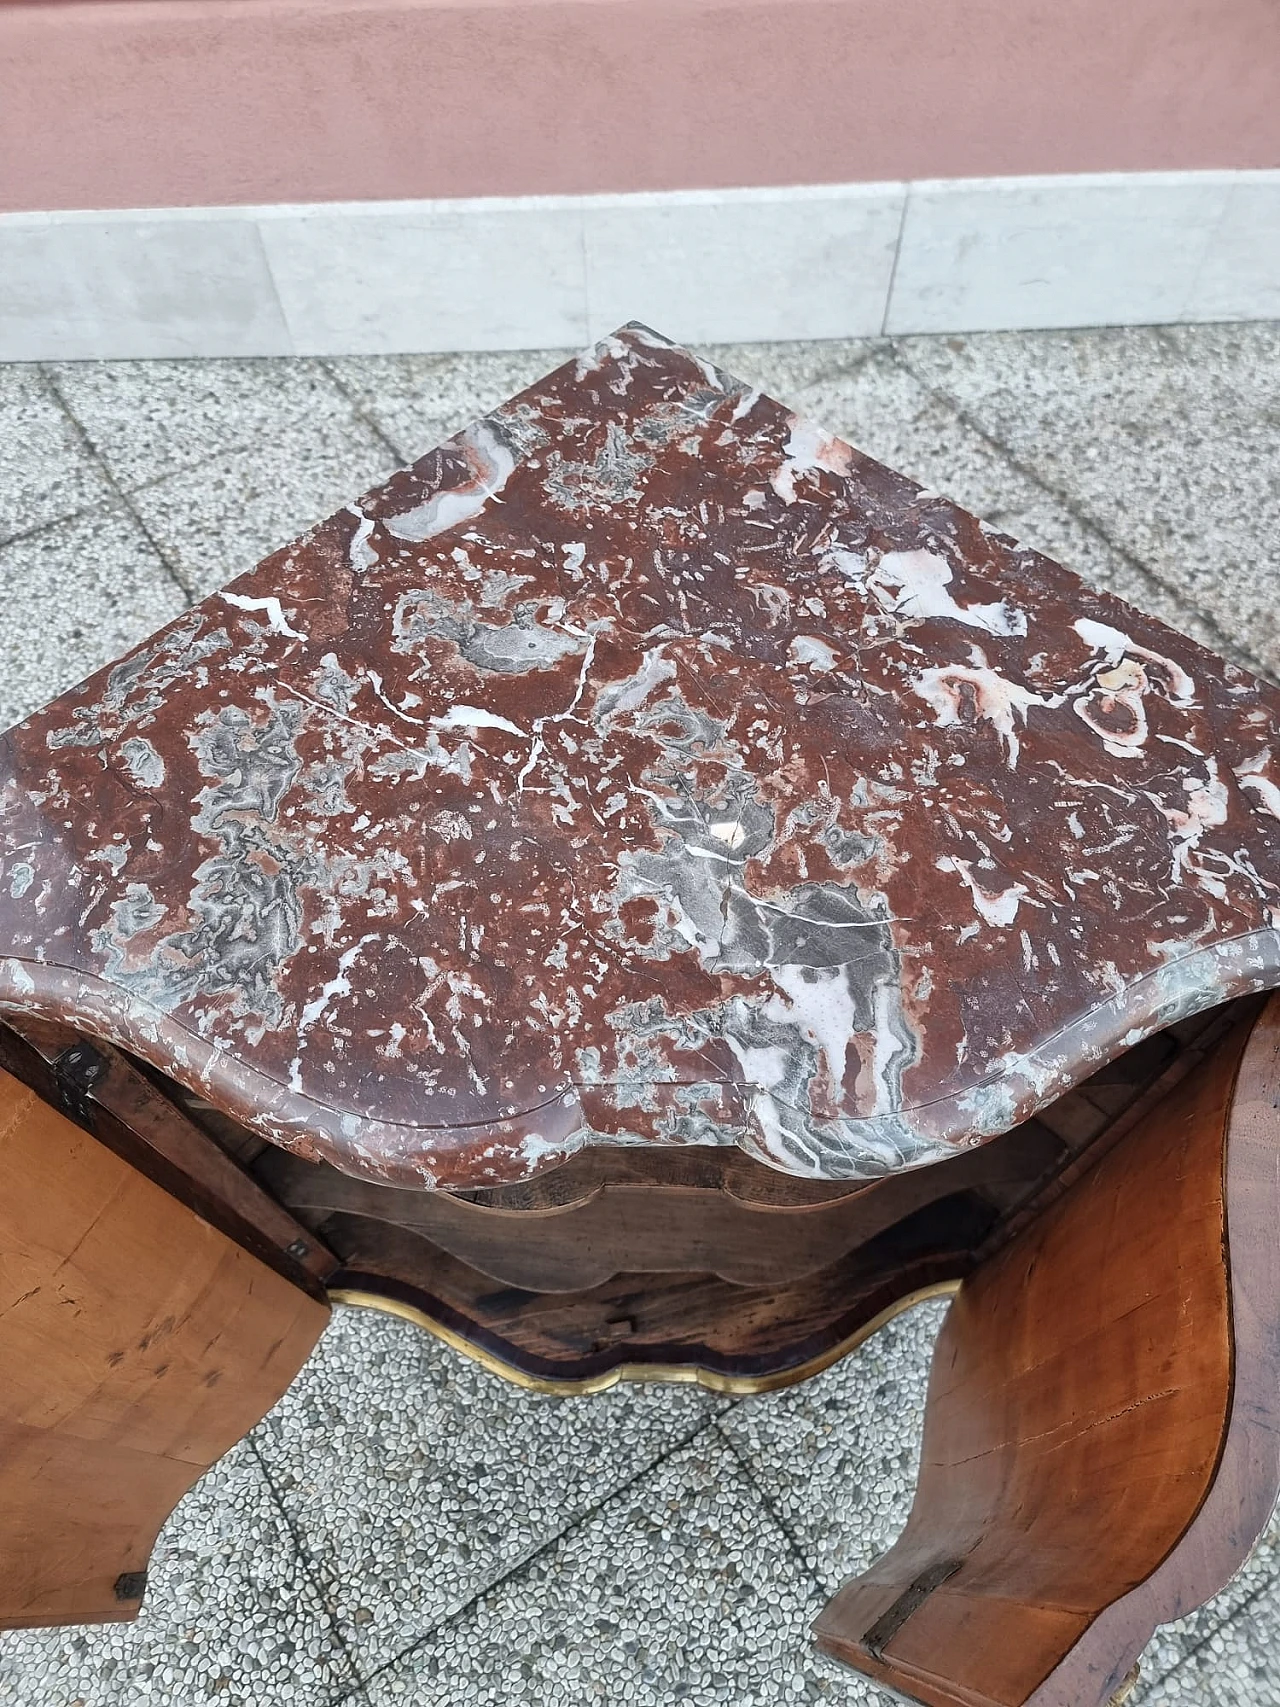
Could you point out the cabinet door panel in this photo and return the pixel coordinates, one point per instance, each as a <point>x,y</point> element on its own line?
<point>137,1344</point>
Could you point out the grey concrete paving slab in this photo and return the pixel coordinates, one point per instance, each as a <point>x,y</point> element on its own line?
<point>416,1478</point>
<point>75,596</point>
<point>680,1589</point>
<point>417,401</point>
<point>1165,437</point>
<point>45,471</point>
<point>216,520</point>
<point>148,420</point>
<point>786,370</point>
<point>230,1616</point>
<point>836,1456</point>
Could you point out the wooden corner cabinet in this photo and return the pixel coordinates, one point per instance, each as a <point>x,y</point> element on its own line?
<point>648,893</point>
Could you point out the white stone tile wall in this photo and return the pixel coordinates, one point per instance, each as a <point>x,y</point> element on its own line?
<point>815,261</point>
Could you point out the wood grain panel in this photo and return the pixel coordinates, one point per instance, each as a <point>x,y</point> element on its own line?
<point>137,1344</point>
<point>1080,1401</point>
<point>111,1097</point>
<point>1246,1482</point>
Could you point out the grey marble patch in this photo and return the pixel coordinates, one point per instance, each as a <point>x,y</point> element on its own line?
<point>148,420</point>
<point>680,1589</point>
<point>45,471</point>
<point>836,1456</point>
<point>230,1617</point>
<point>1165,437</point>
<point>75,596</point>
<point>417,401</point>
<point>417,1478</point>
<point>219,519</point>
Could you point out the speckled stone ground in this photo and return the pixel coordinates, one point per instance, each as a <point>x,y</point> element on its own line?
<point>404,1528</point>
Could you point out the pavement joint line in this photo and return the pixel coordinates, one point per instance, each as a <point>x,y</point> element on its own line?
<point>82,433</point>
<point>521,1566</point>
<point>312,1572</point>
<point>1223,641</point>
<point>842,367</point>
<point>154,481</point>
<point>367,416</point>
<point>236,447</point>
<point>775,1516</point>
<point>233,446</point>
<point>81,513</point>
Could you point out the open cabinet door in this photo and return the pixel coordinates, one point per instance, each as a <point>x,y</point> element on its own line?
<point>137,1345</point>
<point>1102,1437</point>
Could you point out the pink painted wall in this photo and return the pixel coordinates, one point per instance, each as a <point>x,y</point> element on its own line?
<point>119,103</point>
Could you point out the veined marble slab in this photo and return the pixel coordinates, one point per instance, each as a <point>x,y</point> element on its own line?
<point>644,765</point>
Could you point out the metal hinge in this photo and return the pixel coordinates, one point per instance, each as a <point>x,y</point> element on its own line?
<point>75,1072</point>
<point>912,1598</point>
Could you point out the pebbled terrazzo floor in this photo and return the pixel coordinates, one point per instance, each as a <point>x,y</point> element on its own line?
<point>404,1528</point>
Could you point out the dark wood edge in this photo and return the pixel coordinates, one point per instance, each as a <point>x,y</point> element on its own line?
<point>108,1097</point>
<point>931,1272</point>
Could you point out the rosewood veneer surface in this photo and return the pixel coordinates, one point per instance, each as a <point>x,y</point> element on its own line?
<point>644,765</point>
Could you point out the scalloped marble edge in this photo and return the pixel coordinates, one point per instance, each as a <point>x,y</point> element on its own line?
<point>922,1134</point>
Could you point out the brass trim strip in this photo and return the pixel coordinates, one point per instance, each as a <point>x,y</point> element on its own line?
<point>738,1385</point>
<point>1127,1688</point>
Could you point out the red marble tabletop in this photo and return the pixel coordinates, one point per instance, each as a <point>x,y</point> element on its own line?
<point>644,765</point>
